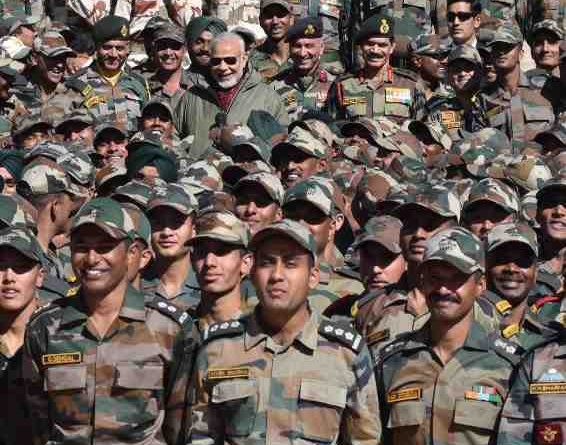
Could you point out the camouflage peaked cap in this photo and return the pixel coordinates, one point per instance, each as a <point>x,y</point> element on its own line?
<point>315,190</point>
<point>495,191</point>
<point>303,140</point>
<point>518,232</point>
<point>384,230</point>
<point>202,175</point>
<point>142,226</point>
<point>528,172</point>
<point>458,247</point>
<point>222,226</point>
<point>52,44</point>
<point>174,196</point>
<point>108,173</point>
<point>507,33</point>
<point>436,198</point>
<point>290,229</point>
<point>431,45</point>
<point>557,182</point>
<point>108,215</point>
<point>465,52</point>
<point>319,129</point>
<point>548,25</point>
<point>43,177</point>
<point>261,148</point>
<point>79,167</point>
<point>24,241</point>
<point>15,211</point>
<point>269,182</point>
<point>134,191</point>
<point>434,129</point>
<point>46,149</point>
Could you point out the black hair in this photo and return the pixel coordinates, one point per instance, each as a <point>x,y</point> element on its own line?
<point>475,6</point>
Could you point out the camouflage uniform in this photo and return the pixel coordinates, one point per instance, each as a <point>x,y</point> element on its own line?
<point>118,393</point>
<point>534,412</point>
<point>261,60</point>
<point>426,401</point>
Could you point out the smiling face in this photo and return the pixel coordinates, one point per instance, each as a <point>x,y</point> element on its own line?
<point>256,207</point>
<point>169,54</point>
<point>171,231</point>
<point>111,146</point>
<point>551,215</point>
<point>464,76</point>
<point>376,52</point>
<point>275,21</point>
<point>306,54</point>
<point>227,62</point>
<point>199,49</point>
<point>546,50</point>
<point>19,278</point>
<point>112,55</point>
<point>52,69</point>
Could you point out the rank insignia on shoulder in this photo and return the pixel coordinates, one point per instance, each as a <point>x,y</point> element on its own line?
<point>354,101</point>
<point>342,333</point>
<point>66,358</point>
<point>378,336</point>
<point>547,388</point>
<point>242,372</point>
<point>508,347</point>
<point>548,433</point>
<point>503,306</point>
<point>404,395</point>
<point>169,309</point>
<point>510,330</point>
<point>73,291</point>
<point>87,90</point>
<point>223,329</point>
<point>450,119</point>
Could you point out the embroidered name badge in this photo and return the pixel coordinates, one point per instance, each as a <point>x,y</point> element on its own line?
<point>398,95</point>
<point>450,119</point>
<point>378,336</point>
<point>354,101</point>
<point>483,394</point>
<point>547,388</point>
<point>66,358</point>
<point>242,372</point>
<point>548,434</point>
<point>404,394</point>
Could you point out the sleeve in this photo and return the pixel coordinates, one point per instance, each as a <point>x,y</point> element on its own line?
<point>517,418</point>
<point>181,121</point>
<point>361,423</point>
<point>334,101</point>
<point>279,110</point>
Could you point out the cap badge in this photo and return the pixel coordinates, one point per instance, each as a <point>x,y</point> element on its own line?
<point>309,30</point>
<point>384,26</point>
<point>124,31</point>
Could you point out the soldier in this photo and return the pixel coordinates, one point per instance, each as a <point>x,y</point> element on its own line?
<point>77,126</point>
<point>429,55</point>
<point>259,197</point>
<point>78,351</point>
<point>21,275</point>
<point>221,261</point>
<point>11,166</point>
<point>142,237</point>
<point>450,368</point>
<point>545,43</point>
<point>377,89</point>
<point>107,89</point>
<point>314,375</point>
<point>304,86</point>
<point>170,211</point>
<point>534,410</point>
<point>110,142</point>
<point>490,202</point>
<point>514,104</point>
<point>464,21</point>
<point>272,56</point>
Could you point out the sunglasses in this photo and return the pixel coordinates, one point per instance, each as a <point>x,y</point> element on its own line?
<point>215,61</point>
<point>462,16</point>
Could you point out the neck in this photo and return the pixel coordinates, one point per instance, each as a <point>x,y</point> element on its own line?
<point>448,339</point>
<point>103,309</point>
<point>170,78</point>
<point>45,234</point>
<point>105,72</point>
<point>284,328</point>
<point>412,276</point>
<point>218,308</point>
<point>13,326</point>
<point>310,73</point>
<point>173,272</point>
<point>281,51</point>
<point>376,73</point>
<point>509,80</point>
<point>518,312</point>
<point>328,255</point>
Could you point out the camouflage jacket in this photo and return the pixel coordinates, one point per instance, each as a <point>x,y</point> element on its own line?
<point>396,97</point>
<point>248,389</point>
<point>427,402</point>
<point>187,297</point>
<point>302,94</point>
<point>535,411</point>
<point>117,389</point>
<point>261,60</point>
<point>156,89</point>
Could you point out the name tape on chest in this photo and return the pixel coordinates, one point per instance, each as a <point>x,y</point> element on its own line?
<point>348,101</point>
<point>242,372</point>
<point>378,336</point>
<point>398,95</point>
<point>65,358</point>
<point>404,395</point>
<point>547,388</point>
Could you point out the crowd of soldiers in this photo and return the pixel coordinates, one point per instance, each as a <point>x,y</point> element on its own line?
<point>285,222</point>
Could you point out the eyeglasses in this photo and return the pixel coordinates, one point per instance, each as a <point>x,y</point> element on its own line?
<point>462,16</point>
<point>215,61</point>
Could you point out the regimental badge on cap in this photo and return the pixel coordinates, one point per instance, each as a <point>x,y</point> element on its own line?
<point>383,26</point>
<point>124,31</point>
<point>309,30</point>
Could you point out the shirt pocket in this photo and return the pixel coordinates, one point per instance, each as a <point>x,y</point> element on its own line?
<point>549,407</point>
<point>475,414</point>
<point>139,387</point>
<point>538,117</point>
<point>66,386</point>
<point>404,421</point>
<point>320,410</point>
<point>71,378</point>
<point>236,402</point>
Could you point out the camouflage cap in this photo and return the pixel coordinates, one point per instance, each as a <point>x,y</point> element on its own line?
<point>233,173</point>
<point>78,115</point>
<point>434,129</point>
<point>158,102</point>
<point>529,209</point>
<point>13,48</point>
<point>354,126</point>
<point>283,3</point>
<point>15,211</point>
<point>409,170</point>
<point>142,226</point>
<point>315,190</point>
<point>431,45</point>
<point>287,228</point>
<point>24,124</point>
<point>24,241</point>
<point>109,127</point>
<point>222,226</point>
<point>365,154</point>
<point>319,129</point>
<point>384,230</point>
<point>556,182</point>
<point>261,148</point>
<point>507,33</point>
<point>517,232</point>
<point>303,140</point>
<point>79,167</point>
<point>52,44</point>
<point>374,186</point>
<point>436,198</point>
<point>169,31</point>
<point>174,196</point>
<point>493,190</point>
<point>458,247</point>
<point>110,172</point>
<point>134,191</point>
<point>201,176</point>
<point>46,149</point>
<point>548,25</point>
<point>528,172</point>
<point>43,177</point>
<point>465,52</point>
<point>108,215</point>
<point>269,182</point>
<point>556,134</point>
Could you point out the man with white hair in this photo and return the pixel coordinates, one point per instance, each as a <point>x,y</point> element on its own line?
<point>234,90</point>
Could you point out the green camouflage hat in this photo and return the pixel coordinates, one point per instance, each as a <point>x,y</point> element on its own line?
<point>15,211</point>
<point>465,52</point>
<point>79,167</point>
<point>109,173</point>
<point>303,140</point>
<point>433,128</point>
<point>262,149</point>
<point>222,226</point>
<point>315,190</point>
<point>269,182</point>
<point>557,182</point>
<point>52,44</point>
<point>233,173</point>
<point>158,102</point>
<point>360,123</point>
<point>495,191</point>
<point>529,209</point>
<point>28,122</point>
<point>507,33</point>
<point>289,228</point>
<point>458,247</point>
<point>201,176</point>
<point>108,215</point>
<point>528,172</point>
<point>169,31</point>
<point>142,226</point>
<point>430,45</point>
<point>436,198</point>
<point>406,169</point>
<point>403,142</point>
<point>46,149</point>
<point>78,115</point>
<point>24,241</point>
<point>517,232</point>
<point>134,191</point>
<point>174,196</point>
<point>384,230</point>
<point>43,177</point>
<point>366,155</point>
<point>547,25</point>
<point>319,129</point>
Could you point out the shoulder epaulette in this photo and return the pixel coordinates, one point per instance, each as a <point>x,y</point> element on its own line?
<point>224,329</point>
<point>348,273</point>
<point>405,73</point>
<point>167,308</point>
<point>540,302</point>
<point>50,306</point>
<point>341,332</point>
<point>396,345</point>
<point>508,350</point>
<point>82,87</point>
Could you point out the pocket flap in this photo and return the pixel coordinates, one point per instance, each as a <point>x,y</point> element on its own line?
<point>317,391</point>
<point>476,414</point>
<point>416,3</point>
<point>409,413</point>
<point>534,113</point>
<point>139,376</point>
<point>233,390</point>
<point>551,407</point>
<point>62,378</point>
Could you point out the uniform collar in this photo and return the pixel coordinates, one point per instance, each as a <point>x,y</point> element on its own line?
<point>477,337</point>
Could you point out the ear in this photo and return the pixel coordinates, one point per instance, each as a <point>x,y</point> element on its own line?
<point>322,165</point>
<point>133,250</point>
<point>338,222</point>
<point>477,22</point>
<point>278,214</point>
<point>314,277</point>
<point>417,61</point>
<point>40,277</point>
<point>482,284</point>
<point>247,264</point>
<point>146,257</point>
